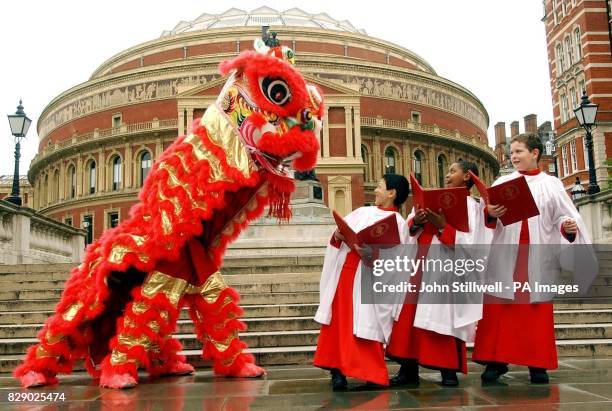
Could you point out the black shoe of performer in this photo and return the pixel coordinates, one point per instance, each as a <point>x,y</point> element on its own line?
<point>408,374</point>
<point>538,375</point>
<point>449,378</point>
<point>338,380</point>
<point>493,371</point>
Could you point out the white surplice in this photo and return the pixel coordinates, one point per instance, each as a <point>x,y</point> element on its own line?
<point>549,250</point>
<point>370,321</point>
<point>455,319</point>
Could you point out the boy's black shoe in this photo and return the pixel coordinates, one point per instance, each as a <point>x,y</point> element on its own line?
<point>408,374</point>
<point>493,371</point>
<point>538,375</point>
<point>338,380</point>
<point>449,378</point>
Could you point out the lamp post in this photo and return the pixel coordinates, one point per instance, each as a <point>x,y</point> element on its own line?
<point>86,224</point>
<point>577,190</point>
<point>585,114</point>
<point>20,123</point>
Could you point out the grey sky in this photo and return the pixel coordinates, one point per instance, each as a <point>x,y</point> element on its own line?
<point>494,48</point>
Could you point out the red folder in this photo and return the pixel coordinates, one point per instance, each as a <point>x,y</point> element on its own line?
<point>452,201</point>
<point>383,232</point>
<point>514,194</point>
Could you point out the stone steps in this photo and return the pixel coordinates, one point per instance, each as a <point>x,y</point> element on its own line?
<point>562,314</point>
<point>279,295</point>
<point>277,310</point>
<point>283,337</point>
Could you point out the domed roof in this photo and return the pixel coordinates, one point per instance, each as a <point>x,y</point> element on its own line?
<point>262,16</point>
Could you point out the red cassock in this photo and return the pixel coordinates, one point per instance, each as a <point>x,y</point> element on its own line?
<point>519,333</point>
<point>429,348</point>
<point>338,347</point>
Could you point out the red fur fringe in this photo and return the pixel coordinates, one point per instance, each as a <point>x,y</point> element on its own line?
<point>218,325</point>
<point>168,355</point>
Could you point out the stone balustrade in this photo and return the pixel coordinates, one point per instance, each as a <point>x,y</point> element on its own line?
<point>596,210</point>
<point>378,122</point>
<point>27,237</point>
<point>101,135</point>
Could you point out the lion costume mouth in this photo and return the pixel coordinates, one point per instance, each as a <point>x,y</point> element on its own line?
<point>280,154</point>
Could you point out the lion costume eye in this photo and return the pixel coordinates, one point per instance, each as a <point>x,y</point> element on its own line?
<point>275,90</point>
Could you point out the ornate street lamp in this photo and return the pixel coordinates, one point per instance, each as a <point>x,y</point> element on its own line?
<point>20,123</point>
<point>585,114</point>
<point>577,190</point>
<point>86,224</point>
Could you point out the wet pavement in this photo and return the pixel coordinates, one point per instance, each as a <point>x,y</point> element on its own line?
<point>583,384</point>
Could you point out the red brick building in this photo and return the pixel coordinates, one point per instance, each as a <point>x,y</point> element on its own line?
<point>387,110</point>
<point>530,125</point>
<point>578,35</point>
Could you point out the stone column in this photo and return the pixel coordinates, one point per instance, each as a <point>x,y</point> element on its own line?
<point>189,119</point>
<point>181,121</point>
<point>128,171</point>
<point>101,170</point>
<point>159,148</point>
<point>376,156</point>
<point>407,158</point>
<point>62,180</point>
<point>433,162</point>
<point>326,133</point>
<point>357,117</point>
<point>348,125</point>
<point>79,175</point>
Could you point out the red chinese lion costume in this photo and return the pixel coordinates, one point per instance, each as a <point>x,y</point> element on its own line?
<point>120,306</point>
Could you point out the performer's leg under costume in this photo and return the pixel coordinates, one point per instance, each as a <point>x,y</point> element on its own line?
<point>213,307</point>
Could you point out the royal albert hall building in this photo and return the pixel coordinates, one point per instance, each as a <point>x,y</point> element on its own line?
<point>386,111</point>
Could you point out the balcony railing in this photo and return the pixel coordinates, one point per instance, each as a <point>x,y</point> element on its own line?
<point>425,128</point>
<point>97,134</point>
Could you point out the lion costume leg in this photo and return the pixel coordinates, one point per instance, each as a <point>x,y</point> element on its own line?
<point>215,316</point>
<point>143,332</point>
<point>213,307</point>
<point>61,344</point>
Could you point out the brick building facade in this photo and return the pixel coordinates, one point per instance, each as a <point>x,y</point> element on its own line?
<point>387,110</point>
<point>578,35</point>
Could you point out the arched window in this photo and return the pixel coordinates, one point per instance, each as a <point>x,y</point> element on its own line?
<point>116,173</point>
<point>442,166</point>
<point>578,43</point>
<point>72,180</point>
<point>560,59</point>
<point>417,166</point>
<point>391,160</point>
<point>569,52</point>
<point>366,161</point>
<point>92,176</point>
<point>145,166</point>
